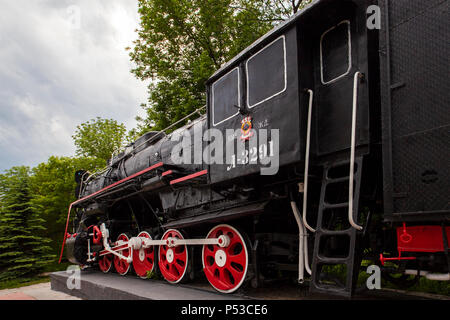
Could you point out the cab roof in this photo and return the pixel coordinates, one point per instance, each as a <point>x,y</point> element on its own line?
<point>278,29</point>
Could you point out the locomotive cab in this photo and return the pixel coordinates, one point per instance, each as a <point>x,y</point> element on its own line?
<point>260,100</point>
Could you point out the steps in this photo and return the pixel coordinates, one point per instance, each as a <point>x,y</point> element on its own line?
<point>336,258</point>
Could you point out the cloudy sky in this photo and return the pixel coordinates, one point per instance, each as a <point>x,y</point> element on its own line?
<point>62,63</point>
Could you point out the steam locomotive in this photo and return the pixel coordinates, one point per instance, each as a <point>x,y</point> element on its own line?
<point>325,144</point>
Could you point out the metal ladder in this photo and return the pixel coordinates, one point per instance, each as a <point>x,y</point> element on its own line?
<point>346,253</point>
<point>323,255</point>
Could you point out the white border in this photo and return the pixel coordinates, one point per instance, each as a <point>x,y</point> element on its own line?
<point>239,95</point>
<point>285,72</point>
<point>349,57</point>
<point>246,257</point>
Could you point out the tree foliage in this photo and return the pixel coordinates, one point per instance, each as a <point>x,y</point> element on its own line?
<point>24,246</point>
<point>53,188</point>
<point>279,10</point>
<point>181,43</point>
<point>99,138</point>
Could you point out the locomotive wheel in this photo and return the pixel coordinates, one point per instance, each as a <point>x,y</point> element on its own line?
<point>225,268</point>
<point>144,259</point>
<point>122,267</point>
<point>105,263</point>
<point>173,261</point>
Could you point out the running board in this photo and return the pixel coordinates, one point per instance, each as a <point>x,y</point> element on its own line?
<point>197,177</point>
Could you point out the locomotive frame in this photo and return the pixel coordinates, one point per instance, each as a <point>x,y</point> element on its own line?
<point>326,90</point>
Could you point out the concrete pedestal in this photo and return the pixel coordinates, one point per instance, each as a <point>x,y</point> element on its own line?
<point>95,285</point>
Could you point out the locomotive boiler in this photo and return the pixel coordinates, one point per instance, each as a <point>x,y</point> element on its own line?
<point>325,143</point>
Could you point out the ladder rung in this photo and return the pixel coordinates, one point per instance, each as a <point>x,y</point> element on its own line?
<point>321,259</point>
<point>336,180</point>
<point>335,205</point>
<point>335,232</point>
<point>327,289</point>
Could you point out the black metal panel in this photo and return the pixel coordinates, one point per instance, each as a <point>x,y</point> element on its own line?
<point>225,96</point>
<point>422,171</point>
<point>415,99</point>
<point>219,215</point>
<point>420,66</point>
<point>266,73</point>
<point>270,73</point>
<point>335,48</point>
<point>404,10</point>
<point>340,46</point>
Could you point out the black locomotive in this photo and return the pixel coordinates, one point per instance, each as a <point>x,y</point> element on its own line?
<point>325,143</point>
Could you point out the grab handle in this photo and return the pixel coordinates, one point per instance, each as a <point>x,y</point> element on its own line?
<point>308,140</point>
<point>358,75</point>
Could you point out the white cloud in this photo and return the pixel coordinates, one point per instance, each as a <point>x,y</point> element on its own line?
<point>59,69</point>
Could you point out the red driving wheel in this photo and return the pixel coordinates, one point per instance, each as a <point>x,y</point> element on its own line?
<point>173,261</point>
<point>105,262</point>
<point>97,235</point>
<point>122,267</point>
<point>144,259</point>
<point>225,268</point>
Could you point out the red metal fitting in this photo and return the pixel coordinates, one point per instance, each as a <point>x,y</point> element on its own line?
<point>421,238</point>
<point>405,237</point>
<point>97,235</point>
<point>383,259</point>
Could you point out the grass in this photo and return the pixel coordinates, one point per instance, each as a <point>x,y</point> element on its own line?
<point>153,275</point>
<point>423,285</point>
<point>17,283</point>
<point>23,282</point>
<point>55,266</point>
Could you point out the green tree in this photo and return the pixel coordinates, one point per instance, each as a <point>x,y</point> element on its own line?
<point>99,138</point>
<point>53,188</point>
<point>181,43</point>
<point>279,10</point>
<point>24,247</point>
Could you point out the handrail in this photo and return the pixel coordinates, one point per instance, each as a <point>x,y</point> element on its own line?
<point>358,75</point>
<point>172,125</point>
<point>308,140</point>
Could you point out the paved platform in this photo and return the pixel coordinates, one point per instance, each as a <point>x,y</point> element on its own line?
<point>95,285</point>
<point>41,291</point>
